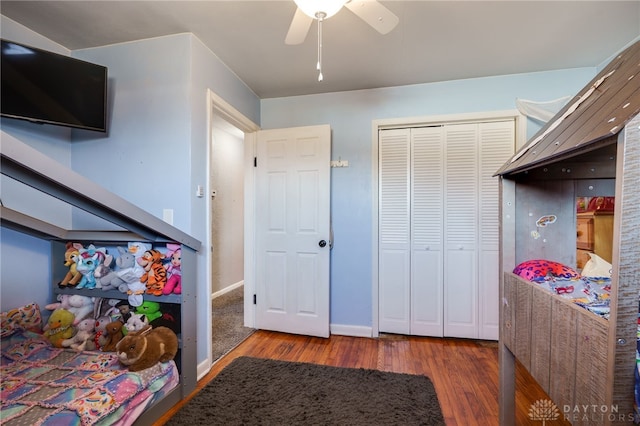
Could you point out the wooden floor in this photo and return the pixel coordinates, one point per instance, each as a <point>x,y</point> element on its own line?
<point>464,372</point>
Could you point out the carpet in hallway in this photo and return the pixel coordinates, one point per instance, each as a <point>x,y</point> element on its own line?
<point>228,322</point>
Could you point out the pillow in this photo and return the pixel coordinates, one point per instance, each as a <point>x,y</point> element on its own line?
<point>540,269</point>
<point>597,267</point>
<point>26,317</point>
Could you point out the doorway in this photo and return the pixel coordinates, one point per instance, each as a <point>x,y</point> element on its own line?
<point>227,237</point>
<point>226,216</point>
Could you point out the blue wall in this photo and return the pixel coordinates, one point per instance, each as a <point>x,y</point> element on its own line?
<point>155,152</point>
<point>350,115</point>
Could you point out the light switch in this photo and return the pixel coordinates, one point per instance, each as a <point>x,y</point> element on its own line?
<point>167,216</point>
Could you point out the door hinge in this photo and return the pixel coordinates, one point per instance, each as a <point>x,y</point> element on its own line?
<point>255,161</point>
<point>255,300</point>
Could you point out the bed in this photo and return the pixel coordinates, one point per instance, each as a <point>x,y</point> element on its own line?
<point>584,357</point>
<point>45,385</point>
<point>108,221</point>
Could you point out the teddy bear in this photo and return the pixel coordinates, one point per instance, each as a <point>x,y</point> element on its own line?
<point>59,327</point>
<point>145,348</point>
<point>83,340</point>
<point>72,278</point>
<point>174,273</point>
<point>155,274</point>
<point>114,335</point>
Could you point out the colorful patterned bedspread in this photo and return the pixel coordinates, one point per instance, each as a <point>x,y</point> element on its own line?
<point>43,385</point>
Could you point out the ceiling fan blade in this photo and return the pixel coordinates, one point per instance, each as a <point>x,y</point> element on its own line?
<point>299,28</point>
<point>374,14</point>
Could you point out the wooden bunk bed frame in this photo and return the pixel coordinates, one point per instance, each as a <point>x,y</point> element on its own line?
<point>584,362</point>
<point>127,223</point>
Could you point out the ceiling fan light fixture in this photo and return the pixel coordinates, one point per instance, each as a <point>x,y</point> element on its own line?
<point>320,8</point>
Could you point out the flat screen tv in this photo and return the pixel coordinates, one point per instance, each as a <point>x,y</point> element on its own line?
<point>46,87</point>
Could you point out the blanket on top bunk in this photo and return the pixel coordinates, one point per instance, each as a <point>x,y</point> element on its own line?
<point>44,385</point>
<point>590,291</point>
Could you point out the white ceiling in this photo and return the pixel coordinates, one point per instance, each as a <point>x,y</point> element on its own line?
<point>434,41</point>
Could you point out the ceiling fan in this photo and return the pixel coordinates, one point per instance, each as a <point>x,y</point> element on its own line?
<point>370,11</point>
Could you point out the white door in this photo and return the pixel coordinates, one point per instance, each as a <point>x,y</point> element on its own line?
<point>394,275</point>
<point>460,231</point>
<point>293,230</point>
<point>427,215</point>
<point>438,228</point>
<point>410,231</point>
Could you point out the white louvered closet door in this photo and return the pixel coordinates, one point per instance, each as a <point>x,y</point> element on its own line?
<point>394,276</point>
<point>461,231</point>
<point>427,182</point>
<point>438,228</point>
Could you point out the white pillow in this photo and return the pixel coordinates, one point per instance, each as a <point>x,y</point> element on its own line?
<point>597,267</point>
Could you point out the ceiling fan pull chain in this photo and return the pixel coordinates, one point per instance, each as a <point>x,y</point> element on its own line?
<point>319,65</point>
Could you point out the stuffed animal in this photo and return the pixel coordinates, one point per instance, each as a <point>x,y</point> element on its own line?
<point>114,335</point>
<point>103,269</point>
<point>126,271</point>
<point>87,266</point>
<point>73,277</point>
<point>125,310</point>
<point>92,250</point>
<point>83,340</point>
<point>101,337</point>
<point>135,323</point>
<point>126,276</point>
<point>151,310</point>
<point>145,348</point>
<point>59,327</point>
<point>80,306</point>
<point>136,289</point>
<point>174,273</point>
<point>155,274</point>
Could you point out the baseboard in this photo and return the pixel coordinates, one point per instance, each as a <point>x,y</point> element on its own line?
<point>351,330</point>
<point>227,289</point>
<point>203,368</point>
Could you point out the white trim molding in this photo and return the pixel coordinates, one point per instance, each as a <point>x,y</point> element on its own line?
<point>227,289</point>
<point>351,330</point>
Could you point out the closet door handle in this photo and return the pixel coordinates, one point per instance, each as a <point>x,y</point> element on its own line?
<point>322,243</point>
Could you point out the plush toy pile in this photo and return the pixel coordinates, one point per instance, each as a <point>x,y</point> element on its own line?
<point>136,270</point>
<point>83,323</point>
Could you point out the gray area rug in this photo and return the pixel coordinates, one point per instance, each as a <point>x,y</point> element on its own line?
<point>228,322</point>
<point>253,391</point>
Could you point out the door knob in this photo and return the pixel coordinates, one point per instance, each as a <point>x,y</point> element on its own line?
<point>322,243</point>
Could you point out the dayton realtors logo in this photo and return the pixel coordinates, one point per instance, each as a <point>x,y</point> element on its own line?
<point>545,410</point>
<point>596,414</point>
